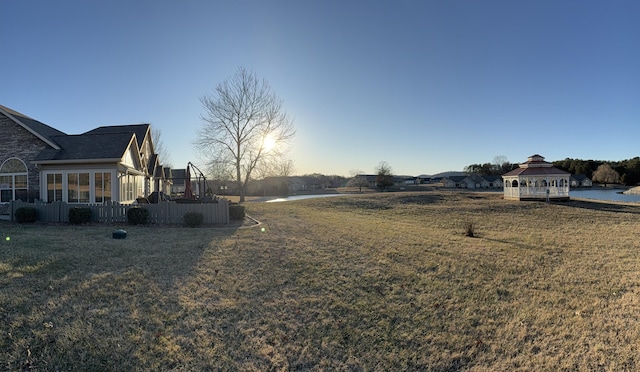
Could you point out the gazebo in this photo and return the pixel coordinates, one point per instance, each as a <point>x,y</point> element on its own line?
<point>536,179</point>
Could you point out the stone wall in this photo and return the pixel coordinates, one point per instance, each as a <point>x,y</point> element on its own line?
<point>17,142</point>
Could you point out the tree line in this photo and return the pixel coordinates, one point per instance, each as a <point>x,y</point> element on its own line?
<point>627,171</point>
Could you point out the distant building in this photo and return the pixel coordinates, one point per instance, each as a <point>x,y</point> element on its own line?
<point>581,180</point>
<point>472,181</point>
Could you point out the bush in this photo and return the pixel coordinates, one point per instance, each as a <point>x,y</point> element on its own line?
<point>26,215</point>
<point>469,229</point>
<point>193,219</point>
<point>79,215</point>
<point>236,212</point>
<point>138,216</point>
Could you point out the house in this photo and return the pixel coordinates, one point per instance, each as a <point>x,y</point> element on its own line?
<point>178,178</point>
<point>536,179</point>
<point>109,163</point>
<point>472,181</point>
<point>454,182</point>
<point>405,180</point>
<point>494,182</point>
<point>580,180</point>
<point>475,181</point>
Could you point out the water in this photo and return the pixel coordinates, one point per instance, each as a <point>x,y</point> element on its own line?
<point>597,194</point>
<point>608,195</point>
<point>301,197</point>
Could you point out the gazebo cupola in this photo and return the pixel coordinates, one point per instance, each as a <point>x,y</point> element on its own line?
<point>536,179</point>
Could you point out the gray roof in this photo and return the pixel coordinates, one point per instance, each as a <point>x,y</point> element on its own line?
<point>153,160</point>
<point>456,178</point>
<point>492,178</point>
<point>179,174</point>
<point>140,130</point>
<point>88,146</point>
<point>579,177</point>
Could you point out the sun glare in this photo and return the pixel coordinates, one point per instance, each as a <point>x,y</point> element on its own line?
<point>269,143</point>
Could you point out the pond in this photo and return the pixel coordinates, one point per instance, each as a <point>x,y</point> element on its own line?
<point>604,194</point>
<point>300,197</point>
<point>597,194</point>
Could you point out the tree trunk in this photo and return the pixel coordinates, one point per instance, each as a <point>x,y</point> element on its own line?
<point>240,183</point>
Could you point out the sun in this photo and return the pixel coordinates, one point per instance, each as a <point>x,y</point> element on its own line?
<point>268,143</point>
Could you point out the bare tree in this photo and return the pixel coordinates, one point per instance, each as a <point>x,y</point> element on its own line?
<point>276,167</point>
<point>384,176</point>
<point>221,176</point>
<point>245,125</point>
<point>500,164</point>
<point>160,148</point>
<point>285,168</point>
<point>606,174</point>
<point>357,180</point>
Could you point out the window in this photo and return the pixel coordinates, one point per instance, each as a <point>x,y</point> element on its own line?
<point>102,183</point>
<point>54,187</point>
<point>78,187</point>
<point>13,180</point>
<point>130,187</point>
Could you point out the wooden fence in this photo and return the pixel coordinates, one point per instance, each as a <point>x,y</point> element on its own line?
<point>161,213</point>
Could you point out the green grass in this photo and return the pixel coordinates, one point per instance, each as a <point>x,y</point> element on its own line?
<point>366,282</point>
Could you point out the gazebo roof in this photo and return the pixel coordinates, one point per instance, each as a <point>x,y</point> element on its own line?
<point>535,166</point>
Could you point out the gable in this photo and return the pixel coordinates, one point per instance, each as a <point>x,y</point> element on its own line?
<point>20,143</point>
<point>147,153</point>
<point>131,157</point>
<point>37,129</point>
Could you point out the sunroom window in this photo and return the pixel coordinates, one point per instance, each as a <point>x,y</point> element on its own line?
<point>78,187</point>
<point>54,187</point>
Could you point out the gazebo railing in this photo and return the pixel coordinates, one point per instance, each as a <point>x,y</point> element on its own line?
<point>536,191</point>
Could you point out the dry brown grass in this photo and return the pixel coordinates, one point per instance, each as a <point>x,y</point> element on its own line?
<point>366,282</point>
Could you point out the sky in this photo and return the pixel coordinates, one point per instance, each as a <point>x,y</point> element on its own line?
<point>427,85</point>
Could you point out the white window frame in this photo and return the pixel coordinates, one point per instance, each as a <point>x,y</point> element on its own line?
<point>65,184</point>
<point>12,185</point>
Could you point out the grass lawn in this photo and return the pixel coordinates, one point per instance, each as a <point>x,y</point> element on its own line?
<point>357,282</point>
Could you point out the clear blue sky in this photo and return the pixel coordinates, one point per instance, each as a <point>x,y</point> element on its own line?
<point>427,86</point>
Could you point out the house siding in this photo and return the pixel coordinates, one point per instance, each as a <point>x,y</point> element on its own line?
<point>18,142</point>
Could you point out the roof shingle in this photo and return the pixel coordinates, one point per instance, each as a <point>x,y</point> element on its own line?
<point>88,146</point>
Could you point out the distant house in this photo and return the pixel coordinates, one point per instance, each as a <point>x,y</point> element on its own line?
<point>536,179</point>
<point>109,163</point>
<point>371,179</point>
<point>454,182</point>
<point>580,180</point>
<point>495,182</point>
<point>178,178</point>
<point>472,181</point>
<point>406,180</point>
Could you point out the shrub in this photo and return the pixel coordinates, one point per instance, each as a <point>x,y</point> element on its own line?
<point>469,229</point>
<point>236,211</point>
<point>193,219</point>
<point>79,215</point>
<point>26,215</point>
<point>138,216</point>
